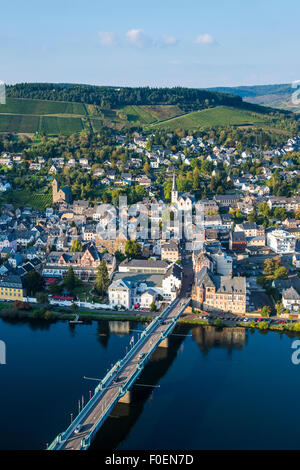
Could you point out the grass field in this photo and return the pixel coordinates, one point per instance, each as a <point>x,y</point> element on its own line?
<point>23,198</point>
<point>219,116</point>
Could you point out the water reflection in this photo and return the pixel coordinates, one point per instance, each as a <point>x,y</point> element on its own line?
<point>123,417</point>
<point>209,337</point>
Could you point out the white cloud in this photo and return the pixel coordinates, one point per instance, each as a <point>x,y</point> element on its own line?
<point>169,40</point>
<point>205,39</point>
<point>107,38</point>
<point>137,38</point>
<point>176,62</point>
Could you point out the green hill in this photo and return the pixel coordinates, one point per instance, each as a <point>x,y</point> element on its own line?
<point>221,116</point>
<point>195,109</point>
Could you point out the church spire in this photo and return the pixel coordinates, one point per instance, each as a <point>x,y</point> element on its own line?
<point>174,194</point>
<point>174,187</point>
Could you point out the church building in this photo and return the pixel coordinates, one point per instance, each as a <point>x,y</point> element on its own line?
<point>61,195</point>
<point>182,201</point>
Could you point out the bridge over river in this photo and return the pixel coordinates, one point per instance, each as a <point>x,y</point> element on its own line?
<point>116,384</point>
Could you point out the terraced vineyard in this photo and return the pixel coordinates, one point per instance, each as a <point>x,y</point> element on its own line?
<point>60,125</point>
<point>40,107</point>
<point>24,198</point>
<point>219,116</point>
<point>21,115</point>
<point>19,123</point>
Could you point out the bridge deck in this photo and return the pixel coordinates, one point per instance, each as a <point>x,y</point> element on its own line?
<point>119,380</point>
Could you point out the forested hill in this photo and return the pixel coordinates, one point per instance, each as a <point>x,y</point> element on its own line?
<point>109,97</point>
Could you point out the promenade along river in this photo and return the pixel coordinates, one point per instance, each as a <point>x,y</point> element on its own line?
<point>219,389</point>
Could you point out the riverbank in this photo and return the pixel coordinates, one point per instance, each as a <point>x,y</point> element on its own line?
<point>262,325</point>
<point>42,313</point>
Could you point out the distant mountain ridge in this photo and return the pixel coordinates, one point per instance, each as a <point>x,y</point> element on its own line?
<point>275,96</point>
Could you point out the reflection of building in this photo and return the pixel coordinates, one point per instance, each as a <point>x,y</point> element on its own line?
<point>209,336</point>
<point>119,327</point>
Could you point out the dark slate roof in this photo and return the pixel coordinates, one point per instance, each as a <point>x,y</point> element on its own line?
<point>290,294</point>
<point>144,263</point>
<point>11,281</point>
<point>174,270</point>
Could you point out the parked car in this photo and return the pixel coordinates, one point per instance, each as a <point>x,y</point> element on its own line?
<point>78,428</point>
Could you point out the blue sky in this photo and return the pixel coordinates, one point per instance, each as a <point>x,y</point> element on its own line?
<point>191,43</point>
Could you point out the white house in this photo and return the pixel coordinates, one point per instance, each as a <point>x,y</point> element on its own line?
<point>281,241</point>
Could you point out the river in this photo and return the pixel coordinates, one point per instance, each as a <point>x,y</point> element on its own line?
<point>214,388</point>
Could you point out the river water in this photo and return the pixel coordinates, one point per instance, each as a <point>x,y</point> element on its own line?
<point>214,388</point>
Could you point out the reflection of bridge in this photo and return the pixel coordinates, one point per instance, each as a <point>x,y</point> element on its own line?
<point>117,383</point>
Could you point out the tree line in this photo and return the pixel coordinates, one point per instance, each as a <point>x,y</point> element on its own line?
<point>110,97</point>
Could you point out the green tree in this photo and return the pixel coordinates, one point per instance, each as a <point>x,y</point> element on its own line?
<point>102,278</point>
<point>70,280</point>
<point>76,246</point>
<point>266,311</point>
<point>280,213</point>
<point>132,249</point>
<point>153,307</point>
<point>33,282</point>
<point>280,272</point>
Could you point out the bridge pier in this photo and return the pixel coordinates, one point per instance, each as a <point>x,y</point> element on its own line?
<point>164,343</point>
<point>126,398</point>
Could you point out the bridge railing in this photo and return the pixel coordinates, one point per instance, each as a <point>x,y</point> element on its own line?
<point>108,376</point>
<point>86,442</point>
<point>58,439</point>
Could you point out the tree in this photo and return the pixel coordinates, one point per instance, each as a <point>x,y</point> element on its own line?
<point>280,213</point>
<point>76,246</point>
<point>264,209</point>
<point>266,311</point>
<point>269,266</point>
<point>42,298</point>
<point>196,179</point>
<point>119,256</point>
<point>102,278</point>
<point>33,282</point>
<point>146,169</point>
<point>153,307</point>
<point>74,307</point>
<point>280,272</point>
<point>132,249</point>
<point>70,280</point>
<point>252,217</point>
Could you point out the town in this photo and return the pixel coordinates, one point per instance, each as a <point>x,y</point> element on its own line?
<point>244,261</point>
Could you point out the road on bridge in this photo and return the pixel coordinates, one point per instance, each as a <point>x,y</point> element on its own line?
<point>108,397</point>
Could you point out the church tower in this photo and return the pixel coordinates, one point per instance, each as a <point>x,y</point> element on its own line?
<point>174,195</point>
<point>54,191</point>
